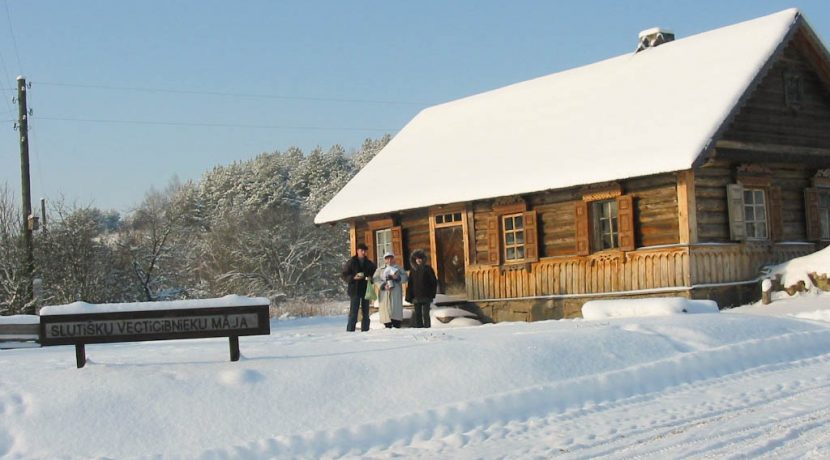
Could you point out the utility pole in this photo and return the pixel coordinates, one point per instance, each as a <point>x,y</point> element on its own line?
<point>28,221</point>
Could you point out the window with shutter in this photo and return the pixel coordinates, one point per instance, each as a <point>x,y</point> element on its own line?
<point>824,213</point>
<point>776,222</point>
<point>812,215</point>
<point>605,224</point>
<point>512,235</point>
<point>493,240</point>
<point>369,239</point>
<point>625,217</point>
<point>582,236</point>
<point>611,225</point>
<point>735,202</point>
<point>531,237</point>
<point>817,213</point>
<point>396,234</point>
<point>383,242</point>
<point>755,214</point>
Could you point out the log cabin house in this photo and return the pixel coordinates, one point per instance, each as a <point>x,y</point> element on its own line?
<point>680,169</point>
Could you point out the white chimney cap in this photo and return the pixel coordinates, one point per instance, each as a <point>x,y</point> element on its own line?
<point>655,31</point>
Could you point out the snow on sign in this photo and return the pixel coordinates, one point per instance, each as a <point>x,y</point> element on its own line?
<point>74,326</point>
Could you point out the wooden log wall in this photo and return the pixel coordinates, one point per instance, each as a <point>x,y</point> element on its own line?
<point>766,117</point>
<point>415,226</point>
<point>710,195</point>
<point>712,208</point>
<point>656,210</point>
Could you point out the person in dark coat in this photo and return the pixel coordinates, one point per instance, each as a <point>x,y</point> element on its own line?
<point>421,288</point>
<point>358,272</point>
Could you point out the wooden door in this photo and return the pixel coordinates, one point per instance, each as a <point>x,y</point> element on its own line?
<point>449,248</point>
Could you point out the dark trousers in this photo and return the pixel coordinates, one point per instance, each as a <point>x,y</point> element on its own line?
<point>363,304</point>
<point>420,317</point>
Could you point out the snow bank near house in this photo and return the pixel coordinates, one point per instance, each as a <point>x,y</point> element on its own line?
<point>656,306</point>
<point>799,269</point>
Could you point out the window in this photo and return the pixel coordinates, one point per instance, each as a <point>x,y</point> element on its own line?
<point>817,212</point>
<point>824,213</point>
<point>384,236</point>
<point>448,218</point>
<point>755,214</point>
<point>514,237</point>
<point>605,224</point>
<point>383,243</point>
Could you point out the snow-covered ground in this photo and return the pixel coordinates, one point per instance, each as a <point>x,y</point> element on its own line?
<point>752,382</point>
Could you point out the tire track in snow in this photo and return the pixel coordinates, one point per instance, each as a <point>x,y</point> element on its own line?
<point>656,436</point>
<point>448,424</point>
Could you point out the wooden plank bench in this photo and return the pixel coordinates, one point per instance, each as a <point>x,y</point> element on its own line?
<point>81,323</point>
<point>19,331</point>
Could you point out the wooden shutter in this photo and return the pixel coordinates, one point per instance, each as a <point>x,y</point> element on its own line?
<point>735,200</point>
<point>811,214</point>
<point>625,220</point>
<point>397,245</point>
<point>531,237</point>
<point>776,223</point>
<point>583,236</point>
<point>493,238</point>
<point>369,240</point>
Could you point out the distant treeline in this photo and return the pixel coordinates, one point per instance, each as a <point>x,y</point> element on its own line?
<point>246,228</point>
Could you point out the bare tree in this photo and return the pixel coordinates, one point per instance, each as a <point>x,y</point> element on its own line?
<point>11,255</point>
<point>150,243</point>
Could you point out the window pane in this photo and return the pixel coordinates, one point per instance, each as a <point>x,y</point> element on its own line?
<point>509,238</point>
<point>762,213</point>
<point>749,213</point>
<point>508,223</point>
<point>614,224</point>
<point>456,217</point>
<point>824,200</point>
<point>748,197</point>
<point>750,229</point>
<point>520,237</point>
<point>511,253</point>
<point>520,252</point>
<point>519,222</point>
<point>759,196</point>
<point>605,226</point>
<point>439,219</point>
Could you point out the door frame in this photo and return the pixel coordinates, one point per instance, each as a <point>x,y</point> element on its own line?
<point>443,211</point>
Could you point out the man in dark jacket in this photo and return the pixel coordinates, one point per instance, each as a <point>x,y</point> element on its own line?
<point>358,272</point>
<point>421,288</point>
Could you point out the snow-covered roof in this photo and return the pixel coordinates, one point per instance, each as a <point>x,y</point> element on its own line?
<point>637,114</point>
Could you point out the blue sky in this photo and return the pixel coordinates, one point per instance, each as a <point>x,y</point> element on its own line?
<point>128,94</point>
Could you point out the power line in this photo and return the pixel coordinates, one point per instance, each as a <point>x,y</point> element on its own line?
<point>211,125</point>
<point>222,93</point>
<point>11,31</point>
